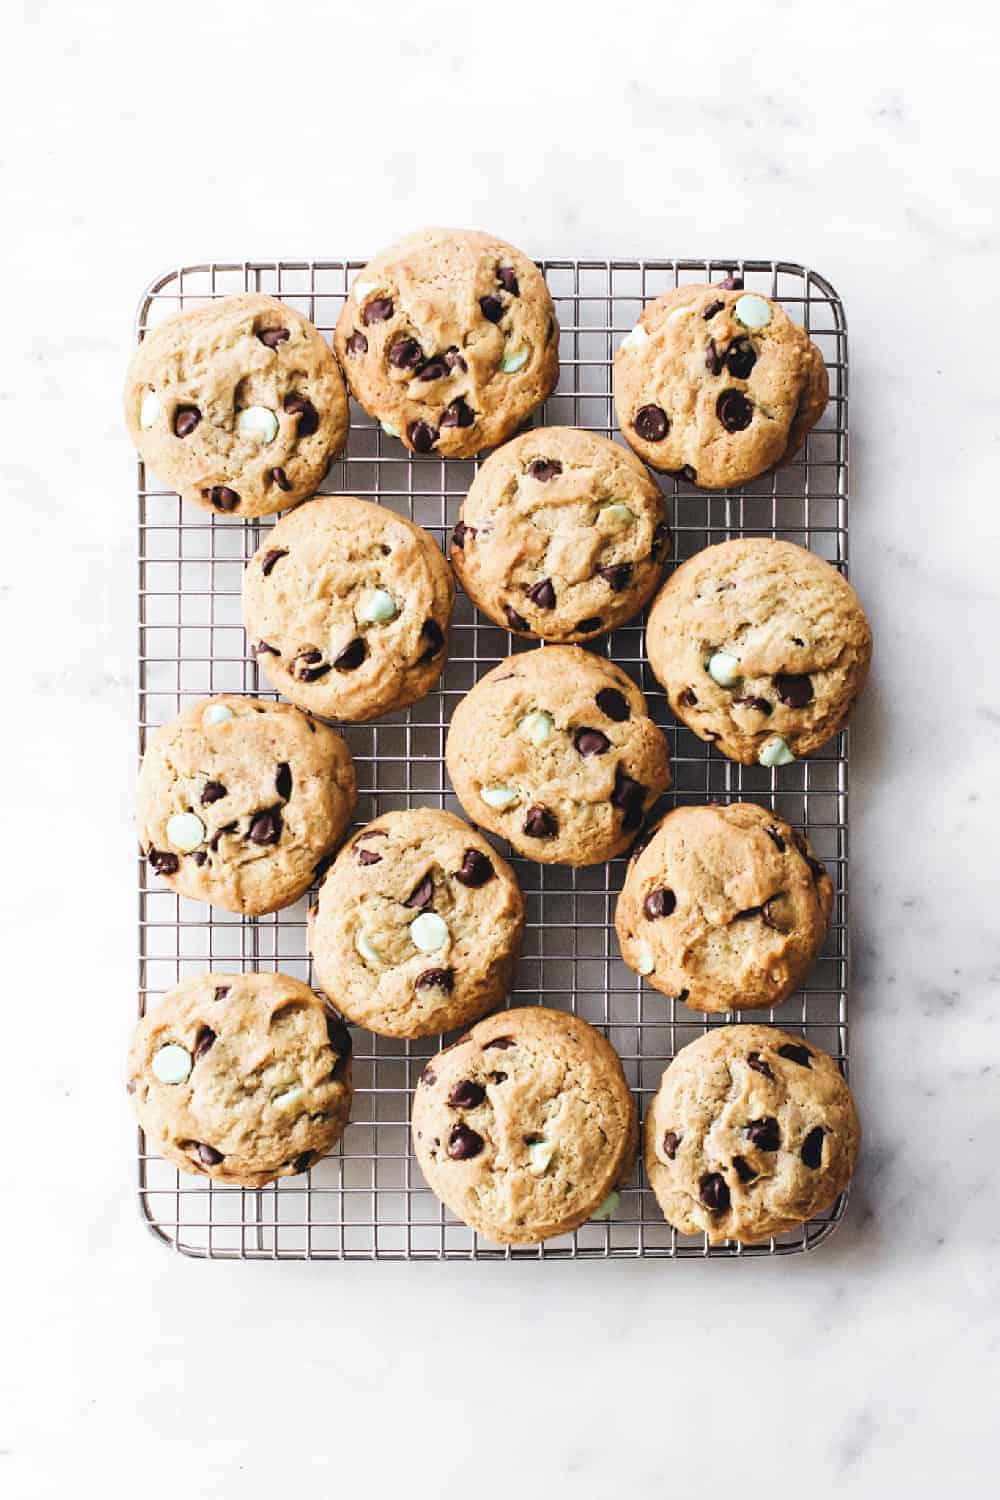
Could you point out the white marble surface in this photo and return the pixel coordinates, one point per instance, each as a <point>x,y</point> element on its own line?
<point>857,138</point>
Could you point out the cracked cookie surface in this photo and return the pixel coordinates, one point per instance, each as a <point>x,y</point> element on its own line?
<point>347,608</point>
<point>751,1132</point>
<point>724,908</point>
<point>553,749</point>
<point>449,339</point>
<point>757,642</point>
<point>563,535</point>
<point>717,385</point>
<point>380,959</point>
<point>526,1125</point>
<point>241,1077</point>
<point>238,800</point>
<point>238,405</point>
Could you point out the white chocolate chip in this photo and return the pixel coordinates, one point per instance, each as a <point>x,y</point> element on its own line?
<point>724,668</point>
<point>516,360</point>
<point>753,312</point>
<point>644,961</point>
<point>377,607</point>
<point>541,1154</point>
<point>429,932</point>
<point>217,713</point>
<point>636,338</point>
<point>774,752</point>
<point>288,1096</point>
<point>257,422</point>
<point>172,1063</point>
<point>537,726</point>
<point>149,410</point>
<point>614,517</point>
<point>606,1209</point>
<point>185,831</point>
<point>368,953</point>
<point>392,431</point>
<point>500,796</point>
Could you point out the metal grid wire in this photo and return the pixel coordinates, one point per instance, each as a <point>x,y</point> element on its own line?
<point>367,1199</point>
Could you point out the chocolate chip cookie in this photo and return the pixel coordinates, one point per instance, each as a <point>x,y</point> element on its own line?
<point>762,647</point>
<point>347,608</point>
<point>418,925</point>
<point>554,750</point>
<point>715,384</point>
<point>239,405</point>
<point>751,1132</point>
<point>239,800</point>
<point>562,535</point>
<point>526,1126</point>
<point>241,1077</point>
<point>724,908</point>
<point>449,339</point>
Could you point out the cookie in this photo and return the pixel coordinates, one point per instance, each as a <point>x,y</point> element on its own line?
<point>525,1126</point>
<point>347,607</point>
<point>241,1077</point>
<point>725,908</point>
<point>762,648</point>
<point>449,339</point>
<point>238,405</point>
<point>418,925</point>
<point>562,535</point>
<point>239,800</point>
<point>553,750</point>
<point>751,1132</point>
<point>717,385</point>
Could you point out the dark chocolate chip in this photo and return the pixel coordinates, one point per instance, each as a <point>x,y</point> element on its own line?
<point>302,1163</point>
<point>507,279</point>
<point>422,894</point>
<point>539,823</point>
<point>764,1134</point>
<point>339,1036</point>
<point>302,407</point>
<point>714,1192</point>
<point>272,337</point>
<point>405,354</point>
<point>617,575</point>
<point>794,690</point>
<point>779,842</point>
<point>371,833</point>
<point>376,311</point>
<point>589,625</point>
<point>221,991</point>
<point>544,469</point>
<point>491,309</point>
<point>212,791</point>
<point>207,1155</point>
<point>712,309</point>
<point>744,1171</point>
<point>713,359</point>
<point>761,705</point>
<point>222,497</point>
<point>199,856</point>
<point>458,414</point>
<point>422,436</point>
<point>270,558</point>
<point>734,411</point>
<point>358,344</point>
<point>651,423</point>
<point>214,841</point>
<point>503,1042</point>
<point>163,862</point>
<point>264,648</point>
<point>659,903</point>
<point>431,632</point>
<point>283,781</point>
<point>206,1039</point>
<point>684,472</point>
<point>498,1077</point>
<point>661,539</point>
<point>460,532</point>
<point>543,594</point>
<point>476,869</point>
<point>265,826</point>
<point>800,1055</point>
<point>614,704</point>
<point>454,360</point>
<point>432,369</point>
<point>352,655</point>
<point>514,620</point>
<point>628,796</point>
<point>671,1140</point>
<point>591,742</point>
<point>436,979</point>
<point>686,698</point>
<point>732,283</point>
<point>463,1143</point>
<point>309,666</point>
<point>771,912</point>
<point>467,1095</point>
<point>812,1147</point>
<point>369,857</point>
<point>186,419</point>
<point>740,358</point>
<point>428,1077</point>
<point>282,480</point>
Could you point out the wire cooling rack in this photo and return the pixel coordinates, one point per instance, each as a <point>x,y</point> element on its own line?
<point>367,1199</point>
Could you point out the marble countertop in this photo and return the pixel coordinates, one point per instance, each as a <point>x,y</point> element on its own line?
<point>855,139</point>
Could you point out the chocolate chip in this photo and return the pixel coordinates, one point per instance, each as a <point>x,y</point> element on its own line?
<point>199,856</point>
<point>591,742</point>
<point>460,532</point>
<point>744,1171</point>
<point>800,1055</point>
<point>539,823</point>
<point>376,311</point>
<point>771,912</point>
<point>422,894</point>
<point>358,344</point>
<point>712,309</point>
<point>221,991</point>
<point>163,862</point>
<point>748,914</point>
<point>454,360</point>
<point>617,575</point>
<point>270,558</point>
<point>476,869</point>
<point>713,359</point>
<point>498,1077</point>
<point>761,705</point>
<point>740,358</point>
<point>544,469</point>
<point>714,1192</point>
<point>212,791</point>
<point>732,283</point>
<point>265,826</point>
<point>590,624</point>
<point>812,1147</point>
<point>432,369</point>
<point>467,1095</point>
<point>422,436</point>
<point>339,1037</point>
<point>503,1042</point>
<point>671,1140</point>
<point>436,979</point>
<point>686,698</point>
<point>283,781</point>
<point>214,841</point>
<point>491,309</point>
<point>428,1077</point>
<point>779,842</point>
<point>282,480</point>
<point>764,1134</point>
<point>405,354</point>
<point>734,411</point>
<point>264,648</point>
<point>507,279</point>
<point>684,472</point>
<point>272,337</point>
<point>458,414</point>
<point>642,841</point>
<point>222,497</point>
<point>543,594</point>
<point>368,857</point>
<point>514,620</point>
<point>352,655</point>
<point>651,423</point>
<point>207,1155</point>
<point>659,903</point>
<point>371,833</point>
<point>309,666</point>
<point>206,1039</point>
<point>186,419</point>
<point>614,704</point>
<point>431,632</point>
<point>463,1143</point>
<point>661,539</point>
<point>302,407</point>
<point>628,796</point>
<point>303,1162</point>
<point>795,691</point>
